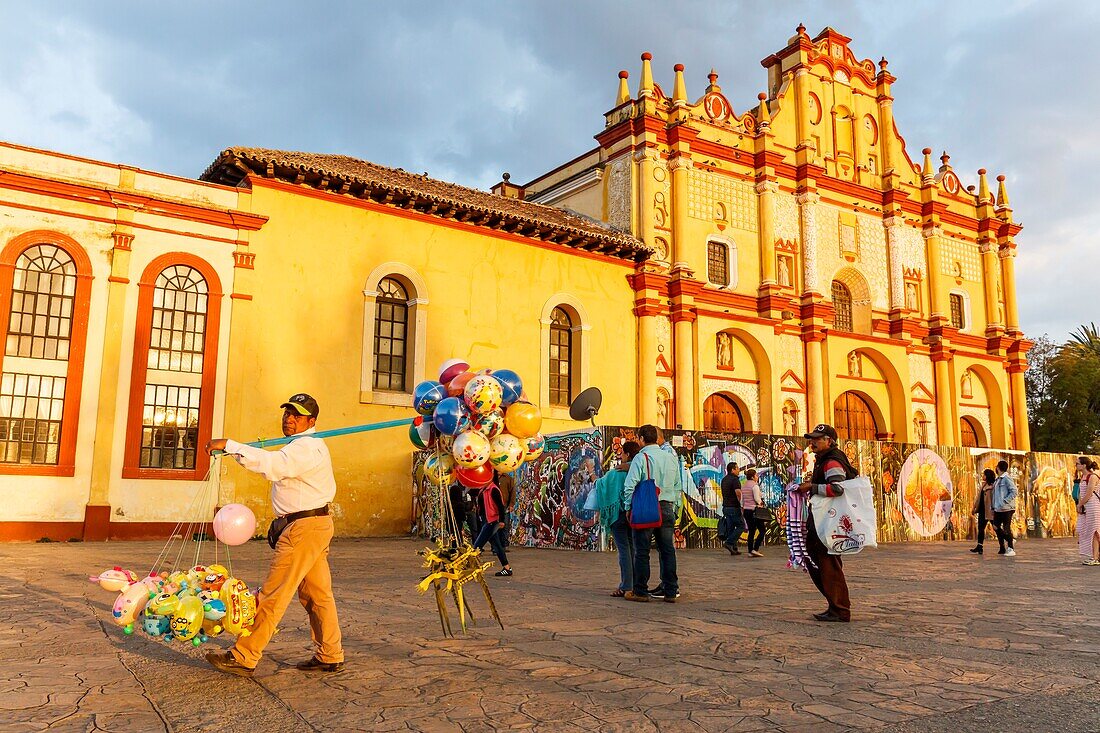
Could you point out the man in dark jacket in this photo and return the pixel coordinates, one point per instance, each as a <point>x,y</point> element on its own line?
<point>831,467</point>
<point>733,522</point>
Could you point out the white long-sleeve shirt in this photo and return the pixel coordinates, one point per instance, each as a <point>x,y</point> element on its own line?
<point>300,473</point>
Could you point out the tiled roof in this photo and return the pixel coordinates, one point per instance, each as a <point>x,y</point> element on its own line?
<point>342,174</point>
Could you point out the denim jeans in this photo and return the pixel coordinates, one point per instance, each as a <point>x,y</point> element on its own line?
<point>491,533</point>
<point>624,546</point>
<point>666,551</point>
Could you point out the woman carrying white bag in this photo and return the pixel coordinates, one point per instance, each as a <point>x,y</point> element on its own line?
<point>846,527</point>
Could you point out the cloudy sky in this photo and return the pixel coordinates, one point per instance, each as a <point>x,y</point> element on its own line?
<point>468,90</point>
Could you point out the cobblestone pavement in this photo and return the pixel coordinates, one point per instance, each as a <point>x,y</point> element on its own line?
<point>941,640</point>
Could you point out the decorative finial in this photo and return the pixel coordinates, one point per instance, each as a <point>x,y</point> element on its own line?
<point>945,158</point>
<point>506,176</point>
<point>926,170</point>
<point>623,95</point>
<point>645,88</point>
<point>679,89</point>
<point>712,77</point>
<point>983,187</point>
<point>1002,194</point>
<point>800,30</point>
<point>763,117</point>
<point>882,63</point>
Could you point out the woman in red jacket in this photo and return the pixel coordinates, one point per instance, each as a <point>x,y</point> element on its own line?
<point>491,511</point>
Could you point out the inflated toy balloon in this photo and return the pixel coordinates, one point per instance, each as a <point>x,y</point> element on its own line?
<point>511,385</point>
<point>439,468</point>
<point>506,453</point>
<point>421,432</point>
<point>471,449</point>
<point>154,625</point>
<point>211,627</point>
<point>115,579</point>
<point>452,368</point>
<point>475,478</point>
<point>164,604</point>
<point>187,620</point>
<point>457,386</point>
<point>175,582</point>
<point>523,419</point>
<point>490,424</point>
<point>483,394</point>
<point>130,603</point>
<point>451,416</point>
<point>446,443</point>
<point>234,524</point>
<point>533,447</point>
<point>240,607</point>
<point>427,395</point>
<point>214,578</point>
<point>213,608</point>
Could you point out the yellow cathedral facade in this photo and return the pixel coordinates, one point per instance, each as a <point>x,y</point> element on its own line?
<point>762,271</point>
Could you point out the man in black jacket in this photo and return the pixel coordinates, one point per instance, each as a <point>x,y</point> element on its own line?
<point>733,522</point>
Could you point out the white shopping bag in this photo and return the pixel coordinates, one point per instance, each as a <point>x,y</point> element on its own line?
<point>847,523</point>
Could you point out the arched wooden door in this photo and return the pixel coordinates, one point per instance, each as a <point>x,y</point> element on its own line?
<point>970,433</point>
<point>721,415</point>
<point>853,418</point>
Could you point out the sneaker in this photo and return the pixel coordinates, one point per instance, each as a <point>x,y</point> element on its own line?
<point>632,596</point>
<point>1091,562</point>
<point>226,662</point>
<point>756,553</point>
<point>657,592</point>
<point>671,598</point>
<point>316,665</point>
<point>504,573</point>
<point>1001,551</point>
<point>1010,552</point>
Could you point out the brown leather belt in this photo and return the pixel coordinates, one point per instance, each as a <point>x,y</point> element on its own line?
<point>294,516</point>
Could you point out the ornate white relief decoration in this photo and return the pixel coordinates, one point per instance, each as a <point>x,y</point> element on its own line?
<point>960,259</point>
<point>897,280</point>
<point>786,217</point>
<point>664,338</point>
<point>921,370</point>
<point>706,191</point>
<point>788,357</point>
<point>618,194</point>
<point>874,260</point>
<point>828,242</point>
<point>911,248</point>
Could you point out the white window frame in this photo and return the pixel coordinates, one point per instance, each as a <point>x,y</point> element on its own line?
<point>968,320</point>
<point>731,262</point>
<point>417,340</point>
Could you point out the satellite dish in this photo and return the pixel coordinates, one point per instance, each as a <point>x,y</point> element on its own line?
<point>587,405</point>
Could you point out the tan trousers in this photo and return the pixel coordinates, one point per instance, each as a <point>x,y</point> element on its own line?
<point>300,564</point>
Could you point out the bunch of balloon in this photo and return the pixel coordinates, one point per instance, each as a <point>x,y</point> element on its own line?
<point>474,423</point>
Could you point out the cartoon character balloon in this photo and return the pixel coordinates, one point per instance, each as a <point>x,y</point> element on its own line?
<point>240,607</point>
<point>154,625</point>
<point>187,619</point>
<point>129,604</point>
<point>114,580</point>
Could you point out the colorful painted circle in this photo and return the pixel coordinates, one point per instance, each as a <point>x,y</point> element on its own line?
<point>925,492</point>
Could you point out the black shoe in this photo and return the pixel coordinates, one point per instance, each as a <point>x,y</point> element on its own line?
<point>316,665</point>
<point>1001,551</point>
<point>504,573</point>
<point>829,616</point>
<point>226,662</point>
<point>657,592</point>
<point>671,598</point>
<point>978,550</point>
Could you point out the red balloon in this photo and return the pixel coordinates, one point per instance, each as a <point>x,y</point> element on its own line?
<point>475,478</point>
<point>457,386</point>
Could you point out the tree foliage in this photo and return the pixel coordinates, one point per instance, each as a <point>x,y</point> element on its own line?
<point>1063,393</point>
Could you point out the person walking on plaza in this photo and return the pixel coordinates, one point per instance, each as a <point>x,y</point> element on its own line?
<point>490,510</point>
<point>983,507</point>
<point>732,523</point>
<point>751,500</point>
<point>507,486</point>
<point>664,469</point>
<point>831,467</point>
<point>1088,511</point>
<point>609,502</point>
<point>463,511</point>
<point>302,488</point>
<point>1004,506</point>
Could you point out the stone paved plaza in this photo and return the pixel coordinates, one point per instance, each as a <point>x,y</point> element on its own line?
<point>941,640</point>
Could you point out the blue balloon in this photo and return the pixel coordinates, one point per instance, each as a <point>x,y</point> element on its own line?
<point>427,395</point>
<point>511,383</point>
<point>451,416</point>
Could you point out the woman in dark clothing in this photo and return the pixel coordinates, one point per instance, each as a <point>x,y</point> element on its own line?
<point>983,507</point>
<point>491,510</point>
<point>462,509</point>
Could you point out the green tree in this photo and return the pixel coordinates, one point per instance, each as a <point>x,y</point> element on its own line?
<point>1063,393</point>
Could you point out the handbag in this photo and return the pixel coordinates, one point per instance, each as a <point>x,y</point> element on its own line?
<point>847,523</point>
<point>645,506</point>
<point>762,513</point>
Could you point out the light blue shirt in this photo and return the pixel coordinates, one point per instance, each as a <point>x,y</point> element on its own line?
<point>664,468</point>
<point>1004,493</point>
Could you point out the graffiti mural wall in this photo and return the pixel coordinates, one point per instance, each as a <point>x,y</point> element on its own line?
<point>922,493</point>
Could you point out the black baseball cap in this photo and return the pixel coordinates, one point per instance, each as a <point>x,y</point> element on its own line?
<point>302,404</point>
<point>822,431</point>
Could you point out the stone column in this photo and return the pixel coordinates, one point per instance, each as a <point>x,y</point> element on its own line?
<point>807,205</point>
<point>802,99</point>
<point>988,248</point>
<point>1007,253</point>
<point>1018,389</point>
<point>937,290</point>
<point>645,190</point>
<point>893,226</point>
<point>680,164</point>
<point>815,380</point>
<point>946,425</point>
<point>765,203</point>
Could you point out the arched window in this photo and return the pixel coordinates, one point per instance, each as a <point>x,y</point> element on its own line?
<point>970,432</point>
<point>175,355</point>
<point>41,366</point>
<point>842,304</point>
<point>561,356</point>
<point>853,418</point>
<point>718,258</point>
<point>722,415</point>
<point>920,427</point>
<point>391,332</point>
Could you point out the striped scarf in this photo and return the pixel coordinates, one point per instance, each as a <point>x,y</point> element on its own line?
<point>797,511</point>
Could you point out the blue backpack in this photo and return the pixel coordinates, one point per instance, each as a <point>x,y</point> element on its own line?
<point>645,506</point>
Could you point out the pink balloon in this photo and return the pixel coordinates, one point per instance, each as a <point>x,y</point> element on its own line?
<point>234,524</point>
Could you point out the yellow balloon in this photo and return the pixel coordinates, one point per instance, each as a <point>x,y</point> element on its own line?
<point>187,620</point>
<point>240,607</point>
<point>506,453</point>
<point>523,419</point>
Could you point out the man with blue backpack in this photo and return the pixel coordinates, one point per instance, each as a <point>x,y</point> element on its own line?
<point>652,495</point>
